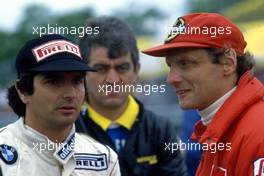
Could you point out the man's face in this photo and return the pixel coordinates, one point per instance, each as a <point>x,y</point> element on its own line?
<point>57,98</point>
<point>198,82</point>
<point>118,71</point>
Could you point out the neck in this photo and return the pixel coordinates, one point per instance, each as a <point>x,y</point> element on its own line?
<point>54,133</point>
<point>208,113</point>
<point>112,113</point>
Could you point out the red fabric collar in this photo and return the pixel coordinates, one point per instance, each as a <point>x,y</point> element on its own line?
<point>249,91</point>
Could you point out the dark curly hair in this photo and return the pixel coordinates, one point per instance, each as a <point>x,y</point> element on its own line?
<point>114,34</point>
<point>24,84</point>
<point>245,61</point>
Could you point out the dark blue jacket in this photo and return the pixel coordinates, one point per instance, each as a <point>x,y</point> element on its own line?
<point>192,157</point>
<point>146,138</point>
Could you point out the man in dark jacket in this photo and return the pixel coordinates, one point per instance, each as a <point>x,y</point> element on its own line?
<point>116,118</point>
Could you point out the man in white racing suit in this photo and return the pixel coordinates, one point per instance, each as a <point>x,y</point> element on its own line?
<point>27,152</point>
<point>47,97</point>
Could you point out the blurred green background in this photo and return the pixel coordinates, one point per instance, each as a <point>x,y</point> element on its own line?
<point>150,21</point>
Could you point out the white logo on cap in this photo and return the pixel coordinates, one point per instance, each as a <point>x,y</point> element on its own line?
<point>57,46</point>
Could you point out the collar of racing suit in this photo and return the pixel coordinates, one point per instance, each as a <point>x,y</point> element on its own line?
<point>249,91</point>
<point>208,113</point>
<point>44,147</point>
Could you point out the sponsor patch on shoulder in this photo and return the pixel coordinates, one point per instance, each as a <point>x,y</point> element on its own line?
<point>85,161</point>
<point>8,154</point>
<point>65,151</point>
<point>259,167</point>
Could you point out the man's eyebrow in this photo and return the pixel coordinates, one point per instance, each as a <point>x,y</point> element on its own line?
<point>107,66</point>
<point>101,64</point>
<point>123,64</point>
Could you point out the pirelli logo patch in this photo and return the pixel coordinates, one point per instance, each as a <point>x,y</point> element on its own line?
<point>85,161</point>
<point>54,47</point>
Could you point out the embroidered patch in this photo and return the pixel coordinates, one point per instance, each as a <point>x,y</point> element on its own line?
<point>85,161</point>
<point>8,154</point>
<point>66,150</point>
<point>151,159</point>
<point>259,167</point>
<point>178,28</point>
<point>48,49</point>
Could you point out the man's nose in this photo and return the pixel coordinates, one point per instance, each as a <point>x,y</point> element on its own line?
<point>70,91</point>
<point>112,76</point>
<point>174,76</point>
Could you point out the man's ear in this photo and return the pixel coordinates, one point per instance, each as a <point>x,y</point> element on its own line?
<point>229,62</point>
<point>22,95</point>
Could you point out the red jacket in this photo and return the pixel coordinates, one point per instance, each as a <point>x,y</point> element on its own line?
<point>237,130</point>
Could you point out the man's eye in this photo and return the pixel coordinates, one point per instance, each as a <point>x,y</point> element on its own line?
<point>100,68</point>
<point>184,63</point>
<point>123,68</point>
<point>79,80</point>
<point>54,81</point>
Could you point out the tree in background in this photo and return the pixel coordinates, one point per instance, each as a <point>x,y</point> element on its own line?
<point>143,21</point>
<point>210,5</point>
<point>39,15</point>
<point>34,16</point>
<point>246,11</point>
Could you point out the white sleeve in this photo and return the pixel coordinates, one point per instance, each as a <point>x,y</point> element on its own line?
<point>115,170</point>
<point>1,171</point>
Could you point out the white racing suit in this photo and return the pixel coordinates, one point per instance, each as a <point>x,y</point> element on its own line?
<point>26,152</point>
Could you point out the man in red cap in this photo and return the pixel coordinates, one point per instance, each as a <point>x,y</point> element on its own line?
<point>212,73</point>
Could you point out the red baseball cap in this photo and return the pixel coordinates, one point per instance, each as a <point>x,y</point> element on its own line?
<point>201,30</point>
